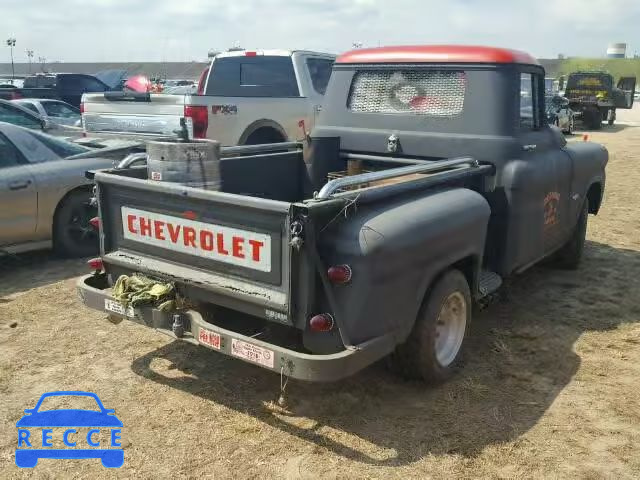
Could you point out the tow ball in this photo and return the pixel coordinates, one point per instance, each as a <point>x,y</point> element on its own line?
<point>178,325</point>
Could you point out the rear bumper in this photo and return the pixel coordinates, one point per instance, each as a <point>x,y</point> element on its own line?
<point>94,293</point>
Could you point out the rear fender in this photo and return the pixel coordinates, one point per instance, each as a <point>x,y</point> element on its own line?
<point>397,249</point>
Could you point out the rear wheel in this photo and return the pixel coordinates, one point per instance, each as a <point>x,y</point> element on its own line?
<point>611,116</point>
<point>74,236</point>
<point>570,126</point>
<point>593,119</point>
<point>434,347</point>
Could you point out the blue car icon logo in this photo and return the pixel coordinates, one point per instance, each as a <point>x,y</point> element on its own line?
<point>37,429</point>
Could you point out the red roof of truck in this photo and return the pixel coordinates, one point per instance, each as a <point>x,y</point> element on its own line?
<point>436,54</point>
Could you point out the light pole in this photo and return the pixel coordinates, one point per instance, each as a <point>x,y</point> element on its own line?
<point>42,61</point>
<point>11,42</point>
<point>30,55</point>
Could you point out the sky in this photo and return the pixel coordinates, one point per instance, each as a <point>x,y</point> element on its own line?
<point>185,30</point>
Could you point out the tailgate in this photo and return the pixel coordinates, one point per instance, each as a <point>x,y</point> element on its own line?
<point>136,114</point>
<point>226,249</point>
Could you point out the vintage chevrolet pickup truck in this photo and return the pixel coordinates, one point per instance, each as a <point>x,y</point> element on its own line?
<point>430,176</point>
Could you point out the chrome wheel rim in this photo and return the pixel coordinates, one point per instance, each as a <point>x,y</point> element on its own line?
<point>450,328</point>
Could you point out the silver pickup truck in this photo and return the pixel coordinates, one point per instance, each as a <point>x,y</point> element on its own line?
<point>244,98</point>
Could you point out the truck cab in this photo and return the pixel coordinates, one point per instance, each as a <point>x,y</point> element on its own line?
<point>430,176</point>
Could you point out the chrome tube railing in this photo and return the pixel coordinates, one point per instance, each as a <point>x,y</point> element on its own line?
<point>339,183</point>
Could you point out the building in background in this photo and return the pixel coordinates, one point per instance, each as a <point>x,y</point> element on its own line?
<point>617,50</point>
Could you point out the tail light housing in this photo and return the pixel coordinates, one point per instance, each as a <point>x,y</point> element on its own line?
<point>82,107</point>
<point>202,80</point>
<point>339,274</point>
<point>200,118</point>
<point>322,323</point>
<point>95,264</point>
<point>95,222</point>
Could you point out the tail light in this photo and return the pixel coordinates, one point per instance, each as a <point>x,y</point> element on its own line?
<point>202,80</point>
<point>82,107</point>
<point>200,117</point>
<point>339,274</point>
<point>321,323</point>
<point>585,137</point>
<point>95,264</point>
<point>95,222</point>
<point>250,54</point>
<point>15,95</point>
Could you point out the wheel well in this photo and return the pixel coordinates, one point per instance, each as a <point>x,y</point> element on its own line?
<point>467,266</point>
<point>594,197</point>
<point>264,135</point>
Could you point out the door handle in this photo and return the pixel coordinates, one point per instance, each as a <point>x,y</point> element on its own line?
<point>19,184</point>
<point>529,148</point>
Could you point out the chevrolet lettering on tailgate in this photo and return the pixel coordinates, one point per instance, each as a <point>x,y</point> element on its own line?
<point>224,244</point>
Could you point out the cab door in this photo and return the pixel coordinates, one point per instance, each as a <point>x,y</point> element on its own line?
<point>627,86</point>
<point>539,183</point>
<point>18,197</point>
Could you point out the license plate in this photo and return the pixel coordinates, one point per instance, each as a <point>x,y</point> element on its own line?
<point>207,337</point>
<point>116,307</point>
<point>252,353</point>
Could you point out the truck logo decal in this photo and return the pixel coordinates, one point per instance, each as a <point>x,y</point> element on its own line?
<point>551,206</point>
<point>224,109</point>
<point>216,242</point>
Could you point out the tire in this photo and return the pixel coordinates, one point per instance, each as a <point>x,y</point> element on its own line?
<point>611,117</point>
<point>73,235</point>
<point>594,119</point>
<point>569,256</point>
<point>569,130</point>
<point>423,355</point>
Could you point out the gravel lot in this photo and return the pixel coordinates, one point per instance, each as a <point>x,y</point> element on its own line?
<point>549,390</point>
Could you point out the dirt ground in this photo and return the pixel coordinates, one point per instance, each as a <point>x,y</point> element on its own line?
<point>549,390</point>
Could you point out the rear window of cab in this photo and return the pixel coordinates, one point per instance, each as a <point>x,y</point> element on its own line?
<point>259,76</point>
<point>430,93</point>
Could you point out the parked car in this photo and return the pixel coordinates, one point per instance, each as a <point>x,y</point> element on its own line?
<point>560,114</point>
<point>44,195</point>
<point>246,98</point>
<point>16,114</point>
<point>67,87</point>
<point>54,111</point>
<point>426,187</point>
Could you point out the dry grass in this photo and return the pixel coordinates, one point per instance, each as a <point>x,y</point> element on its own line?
<point>549,390</point>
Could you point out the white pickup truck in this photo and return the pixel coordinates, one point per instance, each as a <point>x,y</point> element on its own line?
<point>244,98</point>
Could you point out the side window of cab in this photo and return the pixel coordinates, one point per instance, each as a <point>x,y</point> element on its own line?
<point>530,102</point>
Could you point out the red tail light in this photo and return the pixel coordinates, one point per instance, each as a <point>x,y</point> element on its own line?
<point>321,323</point>
<point>82,107</point>
<point>250,54</point>
<point>202,80</point>
<point>339,274</point>
<point>15,95</point>
<point>200,117</point>
<point>95,264</point>
<point>95,222</point>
